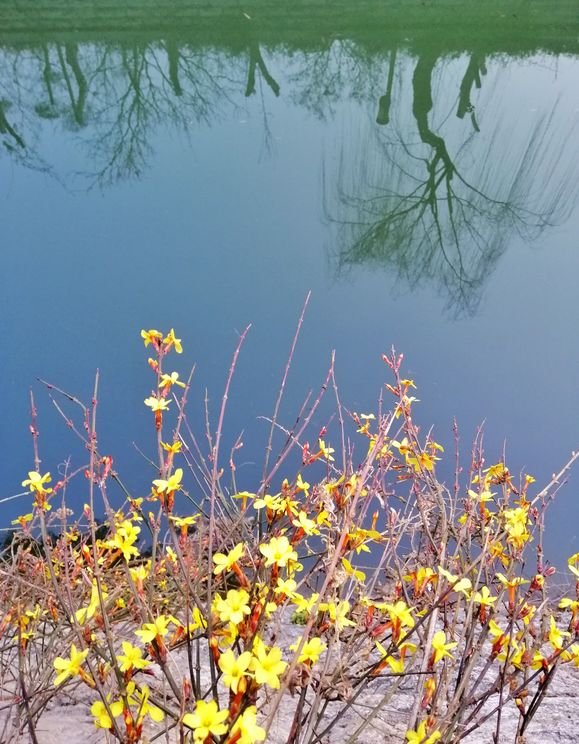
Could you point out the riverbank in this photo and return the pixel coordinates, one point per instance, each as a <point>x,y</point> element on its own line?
<point>493,27</point>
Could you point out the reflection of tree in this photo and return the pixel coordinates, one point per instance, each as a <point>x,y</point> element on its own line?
<point>153,86</point>
<point>423,215</point>
<point>77,97</point>
<point>64,84</point>
<point>435,204</point>
<point>256,62</point>
<point>13,138</point>
<point>334,73</point>
<point>17,126</point>
<point>114,96</point>
<point>475,68</point>
<point>383,116</point>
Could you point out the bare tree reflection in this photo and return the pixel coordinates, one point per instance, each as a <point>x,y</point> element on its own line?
<point>413,207</point>
<point>436,206</point>
<point>18,126</point>
<point>383,116</point>
<point>113,97</point>
<point>152,86</point>
<point>338,71</point>
<point>472,76</point>
<point>256,62</point>
<point>13,139</point>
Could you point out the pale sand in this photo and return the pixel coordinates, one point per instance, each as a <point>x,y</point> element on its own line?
<point>67,720</point>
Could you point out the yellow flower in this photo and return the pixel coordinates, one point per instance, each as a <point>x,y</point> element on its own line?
<point>140,699</point>
<point>157,404</point>
<point>267,665</point>
<point>422,461</point>
<point>396,665</point>
<point>151,337</point>
<point>132,658</point>
<point>571,604</point>
<point>247,729</point>
<point>404,447</point>
<point>183,523</point>
<point>207,720</point>
<point>278,552</point>
<point>464,585</point>
<point>496,473</point>
<point>289,506</point>
<point>140,573</point>
<point>516,521</point>
<point>234,668</point>
<point>484,597</point>
<point>483,496</point>
<point>419,736</point>
<point>69,667</point>
<point>286,586</point>
<point>408,383</point>
<point>511,585</point>
<point>495,630</point>
<point>301,485</point>
<point>35,482</point>
<point>86,613</point>
<point>136,512</point>
<point>404,406</point>
<point>267,501</point>
<point>174,448</point>
<point>323,518</point>
<point>421,578</point>
<point>305,604</point>
<point>23,520</point>
<point>234,607</point>
<point>400,617</point>
<point>311,650</point>
<point>366,417</point>
<point>227,635</point>
<point>307,525</point>
<point>556,636</point>
<point>197,621</point>
<point>351,571</point>
<point>167,381</point>
<point>440,647</point>
<point>170,340</point>
<point>157,629</point>
<point>339,614</point>
<point>358,537</point>
<point>224,562</point>
<point>571,563</point>
<point>325,450</point>
<point>172,484</point>
<point>125,538</point>
<point>100,713</point>
<point>243,495</point>
<point>571,654</point>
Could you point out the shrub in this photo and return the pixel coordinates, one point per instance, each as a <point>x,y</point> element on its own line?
<point>273,614</point>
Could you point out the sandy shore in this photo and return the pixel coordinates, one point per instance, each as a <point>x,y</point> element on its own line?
<point>67,719</point>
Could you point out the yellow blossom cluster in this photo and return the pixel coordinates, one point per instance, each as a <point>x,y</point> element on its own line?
<point>389,571</point>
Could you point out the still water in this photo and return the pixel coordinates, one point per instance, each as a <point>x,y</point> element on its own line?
<point>204,167</point>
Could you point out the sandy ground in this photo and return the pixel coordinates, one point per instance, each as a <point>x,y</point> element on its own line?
<point>67,719</point>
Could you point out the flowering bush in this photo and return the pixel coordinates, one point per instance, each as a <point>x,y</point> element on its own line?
<point>175,615</point>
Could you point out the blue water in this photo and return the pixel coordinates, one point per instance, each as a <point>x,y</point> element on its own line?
<point>209,209</point>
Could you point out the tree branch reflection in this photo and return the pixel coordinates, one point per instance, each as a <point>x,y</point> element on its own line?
<point>433,190</point>
<point>414,209</point>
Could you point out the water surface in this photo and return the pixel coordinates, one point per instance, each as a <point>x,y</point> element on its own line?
<point>168,165</point>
